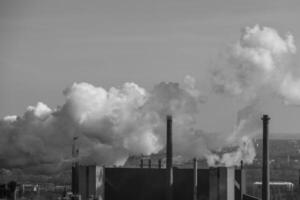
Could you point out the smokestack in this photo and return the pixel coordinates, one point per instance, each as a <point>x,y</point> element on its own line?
<point>169,143</point>
<point>75,152</point>
<point>242,181</point>
<point>75,165</point>
<point>195,179</point>
<point>265,169</point>
<point>169,159</point>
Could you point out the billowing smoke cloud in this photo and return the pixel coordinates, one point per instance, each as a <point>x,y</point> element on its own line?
<point>260,63</point>
<point>110,125</point>
<point>258,66</point>
<point>113,124</point>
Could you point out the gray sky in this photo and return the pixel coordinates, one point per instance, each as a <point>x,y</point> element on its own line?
<point>45,45</point>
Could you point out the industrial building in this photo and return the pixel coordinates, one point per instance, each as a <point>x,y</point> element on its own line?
<point>151,183</point>
<point>169,183</point>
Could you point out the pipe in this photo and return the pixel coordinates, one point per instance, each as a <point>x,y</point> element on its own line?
<point>265,169</point>
<point>195,179</point>
<point>169,159</point>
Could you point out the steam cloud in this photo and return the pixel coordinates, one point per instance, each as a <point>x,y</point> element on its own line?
<point>260,63</point>
<point>110,124</point>
<point>113,124</point>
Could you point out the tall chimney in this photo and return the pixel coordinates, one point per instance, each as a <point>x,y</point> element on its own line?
<point>265,169</point>
<point>195,166</point>
<point>75,151</point>
<point>169,159</point>
<point>75,167</point>
<point>242,181</point>
<point>169,143</point>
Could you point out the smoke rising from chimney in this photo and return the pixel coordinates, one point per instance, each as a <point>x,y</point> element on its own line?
<point>115,123</point>
<point>110,124</point>
<point>258,66</point>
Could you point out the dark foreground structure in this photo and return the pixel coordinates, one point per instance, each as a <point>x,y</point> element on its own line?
<point>95,182</point>
<point>170,183</point>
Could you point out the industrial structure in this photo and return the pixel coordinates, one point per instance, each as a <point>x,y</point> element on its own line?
<point>169,183</point>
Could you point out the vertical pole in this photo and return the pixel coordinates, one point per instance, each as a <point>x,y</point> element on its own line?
<point>265,170</point>
<point>159,163</point>
<point>195,179</point>
<point>169,159</point>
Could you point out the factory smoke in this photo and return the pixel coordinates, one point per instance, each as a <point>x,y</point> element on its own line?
<point>259,63</point>
<point>112,124</point>
<point>258,66</point>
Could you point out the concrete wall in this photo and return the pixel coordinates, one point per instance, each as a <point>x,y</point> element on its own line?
<point>230,176</point>
<point>149,184</point>
<point>100,181</point>
<point>183,184</point>
<point>223,183</point>
<point>82,182</point>
<point>240,184</point>
<point>213,184</point>
<point>87,181</point>
<point>135,184</point>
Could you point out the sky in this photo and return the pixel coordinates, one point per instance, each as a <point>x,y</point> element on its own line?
<point>46,45</point>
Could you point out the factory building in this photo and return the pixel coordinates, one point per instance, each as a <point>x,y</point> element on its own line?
<point>169,183</point>
<point>95,182</point>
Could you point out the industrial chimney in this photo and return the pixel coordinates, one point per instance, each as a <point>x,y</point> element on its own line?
<point>195,174</point>
<point>169,159</point>
<point>265,169</point>
<point>169,143</point>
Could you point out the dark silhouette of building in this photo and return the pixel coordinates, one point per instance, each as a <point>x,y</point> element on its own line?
<point>152,183</point>
<point>169,183</point>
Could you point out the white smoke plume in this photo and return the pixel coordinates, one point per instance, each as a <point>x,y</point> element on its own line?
<point>240,140</point>
<point>110,125</point>
<point>115,123</point>
<point>260,62</point>
<point>258,66</point>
